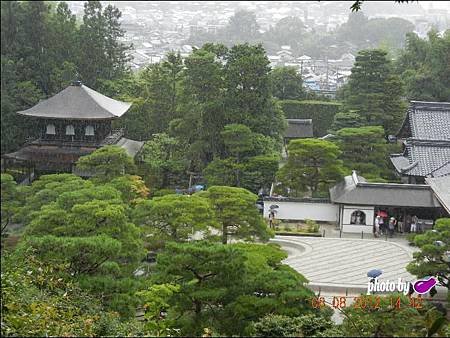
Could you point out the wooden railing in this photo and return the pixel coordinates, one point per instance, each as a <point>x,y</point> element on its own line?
<point>111,138</point>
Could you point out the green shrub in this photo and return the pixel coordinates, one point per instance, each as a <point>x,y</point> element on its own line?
<point>410,237</point>
<point>274,325</point>
<point>163,192</point>
<point>287,228</point>
<point>321,112</point>
<point>312,226</point>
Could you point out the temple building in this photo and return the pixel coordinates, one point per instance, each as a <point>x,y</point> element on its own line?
<point>354,203</point>
<point>425,136</point>
<point>297,128</point>
<point>73,123</point>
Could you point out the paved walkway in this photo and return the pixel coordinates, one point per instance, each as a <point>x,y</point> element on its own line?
<point>337,264</point>
<point>332,232</point>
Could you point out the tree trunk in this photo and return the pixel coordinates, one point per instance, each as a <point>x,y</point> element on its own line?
<point>224,234</point>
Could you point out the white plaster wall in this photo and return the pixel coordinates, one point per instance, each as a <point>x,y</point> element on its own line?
<point>347,212</point>
<point>367,229</point>
<point>302,210</point>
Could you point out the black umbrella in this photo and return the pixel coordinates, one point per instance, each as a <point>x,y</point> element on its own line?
<point>274,206</point>
<point>374,273</point>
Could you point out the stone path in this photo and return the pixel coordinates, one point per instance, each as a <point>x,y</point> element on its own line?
<point>341,263</point>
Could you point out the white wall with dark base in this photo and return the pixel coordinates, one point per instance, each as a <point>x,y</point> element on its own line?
<point>294,210</point>
<point>346,219</point>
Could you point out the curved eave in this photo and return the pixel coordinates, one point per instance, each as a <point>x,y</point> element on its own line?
<point>71,118</point>
<point>78,103</point>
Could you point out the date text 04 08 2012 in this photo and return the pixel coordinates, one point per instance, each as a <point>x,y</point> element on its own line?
<point>367,302</point>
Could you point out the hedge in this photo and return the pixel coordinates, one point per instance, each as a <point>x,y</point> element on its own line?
<point>321,112</point>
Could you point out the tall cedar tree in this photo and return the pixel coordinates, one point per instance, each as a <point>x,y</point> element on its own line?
<point>374,92</point>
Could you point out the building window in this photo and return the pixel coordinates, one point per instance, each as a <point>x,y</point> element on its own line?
<point>358,218</point>
<point>89,131</point>
<point>51,130</point>
<point>70,130</point>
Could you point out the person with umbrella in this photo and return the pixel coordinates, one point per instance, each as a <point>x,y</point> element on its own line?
<point>374,274</point>
<point>272,212</point>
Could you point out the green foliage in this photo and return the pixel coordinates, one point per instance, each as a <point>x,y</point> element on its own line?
<point>423,66</point>
<point>84,226</point>
<point>164,163</point>
<point>236,213</point>
<point>237,139</point>
<point>312,166</point>
<point>222,172</point>
<point>364,149</point>
<point>40,299</point>
<point>155,93</point>
<point>131,187</point>
<point>391,321</point>
<point>287,84</point>
<point>202,101</point>
<point>47,190</point>
<point>155,301</point>
<point>101,55</point>
<point>83,254</point>
<point>107,163</point>
<point>321,112</point>
<point>346,120</point>
<point>432,259</point>
<point>283,326</point>
<point>12,198</point>
<point>259,172</point>
<point>369,33</point>
<point>225,288</point>
<point>312,226</point>
<point>374,92</point>
<point>174,217</point>
<point>242,168</point>
<point>247,86</point>
<point>290,30</point>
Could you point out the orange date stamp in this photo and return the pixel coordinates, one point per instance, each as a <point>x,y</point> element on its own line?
<point>369,302</point>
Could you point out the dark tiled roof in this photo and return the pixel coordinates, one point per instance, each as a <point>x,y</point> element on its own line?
<point>441,188</point>
<point>299,128</point>
<point>78,102</point>
<point>427,146</point>
<point>422,158</point>
<point>427,121</point>
<point>443,170</point>
<point>295,199</point>
<point>354,190</point>
<point>131,147</point>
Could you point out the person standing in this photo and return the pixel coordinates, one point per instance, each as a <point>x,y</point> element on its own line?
<point>391,226</point>
<point>400,224</point>
<point>377,226</point>
<point>408,221</point>
<point>382,229</point>
<point>414,222</point>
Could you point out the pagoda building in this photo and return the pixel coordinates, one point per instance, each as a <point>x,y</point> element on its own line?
<point>73,123</point>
